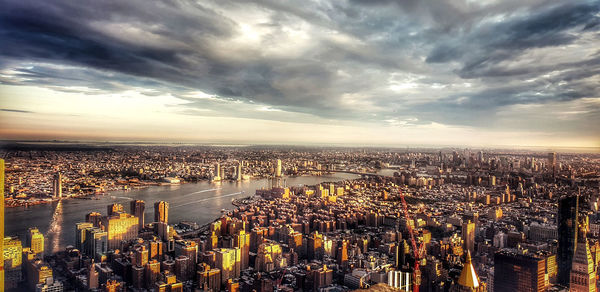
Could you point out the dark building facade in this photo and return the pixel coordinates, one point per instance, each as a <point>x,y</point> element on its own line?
<point>568,213</point>
<point>518,272</point>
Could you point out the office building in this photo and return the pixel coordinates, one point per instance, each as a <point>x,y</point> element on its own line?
<point>217,174</point>
<point>35,240</point>
<point>13,255</point>
<point>161,212</point>
<point>519,272</point>
<point>239,171</point>
<point>114,209</point>
<point>95,218</point>
<point>137,208</point>
<point>208,278</point>
<point>583,271</point>
<point>96,242</point>
<point>120,227</point>
<point>468,236</point>
<point>568,218</point>
<point>228,260</point>
<point>278,169</point>
<point>80,232</point>
<point>57,185</point>
<point>268,257</point>
<point>152,273</point>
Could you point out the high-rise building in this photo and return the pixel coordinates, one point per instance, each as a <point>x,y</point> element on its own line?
<point>267,257</point>
<point>161,212</point>
<point>2,224</point>
<point>468,281</point>
<point>120,227</point>
<point>568,218</point>
<point>92,277</point>
<point>96,242</point>
<point>468,236</point>
<point>114,209</point>
<point>217,174</point>
<point>137,208</point>
<point>57,185</point>
<point>315,246</point>
<point>239,171</point>
<point>583,271</point>
<point>13,255</point>
<point>94,218</point>
<point>278,169</point>
<point>208,278</point>
<point>552,163</point>
<point>35,240</point>
<point>189,249</point>
<point>80,229</point>
<point>519,272</point>
<point>228,260</point>
<point>152,272</point>
<point>242,241</point>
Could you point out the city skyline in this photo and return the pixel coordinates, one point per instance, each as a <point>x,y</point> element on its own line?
<point>381,73</point>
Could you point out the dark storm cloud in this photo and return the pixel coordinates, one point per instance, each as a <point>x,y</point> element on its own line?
<point>357,48</point>
<point>16,111</point>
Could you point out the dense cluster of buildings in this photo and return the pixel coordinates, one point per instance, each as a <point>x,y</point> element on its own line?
<point>439,222</point>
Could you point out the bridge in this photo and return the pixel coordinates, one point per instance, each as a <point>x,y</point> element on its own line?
<point>347,171</point>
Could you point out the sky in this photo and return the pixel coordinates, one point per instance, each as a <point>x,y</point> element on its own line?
<point>356,72</point>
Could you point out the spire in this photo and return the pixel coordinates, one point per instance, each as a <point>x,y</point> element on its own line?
<point>468,278</point>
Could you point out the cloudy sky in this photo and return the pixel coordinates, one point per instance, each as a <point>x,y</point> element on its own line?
<point>368,72</point>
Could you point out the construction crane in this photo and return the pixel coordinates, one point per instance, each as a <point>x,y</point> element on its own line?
<point>416,250</point>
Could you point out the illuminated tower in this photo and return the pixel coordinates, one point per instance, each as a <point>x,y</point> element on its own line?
<point>278,170</point>
<point>217,176</point>
<point>57,185</point>
<point>583,273</point>
<point>114,209</point>
<point>2,224</point>
<point>239,171</point>
<point>35,240</point>
<point>137,209</point>
<point>161,212</point>
<point>568,216</point>
<point>468,235</point>
<point>120,227</point>
<point>80,232</point>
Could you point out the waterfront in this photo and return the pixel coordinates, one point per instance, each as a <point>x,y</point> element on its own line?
<point>199,202</point>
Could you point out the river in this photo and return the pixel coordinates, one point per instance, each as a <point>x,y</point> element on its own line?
<point>200,202</point>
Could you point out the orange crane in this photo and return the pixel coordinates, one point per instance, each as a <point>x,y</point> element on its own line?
<point>416,250</point>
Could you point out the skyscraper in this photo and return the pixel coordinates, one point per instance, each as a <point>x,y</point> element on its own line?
<point>583,272</point>
<point>278,169</point>
<point>519,272</point>
<point>239,171</point>
<point>35,240</point>
<point>137,208</point>
<point>120,227</point>
<point>80,230</point>
<point>217,175</point>
<point>468,235</point>
<point>2,224</point>
<point>568,216</point>
<point>161,212</point>
<point>57,185</point>
<point>552,163</point>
